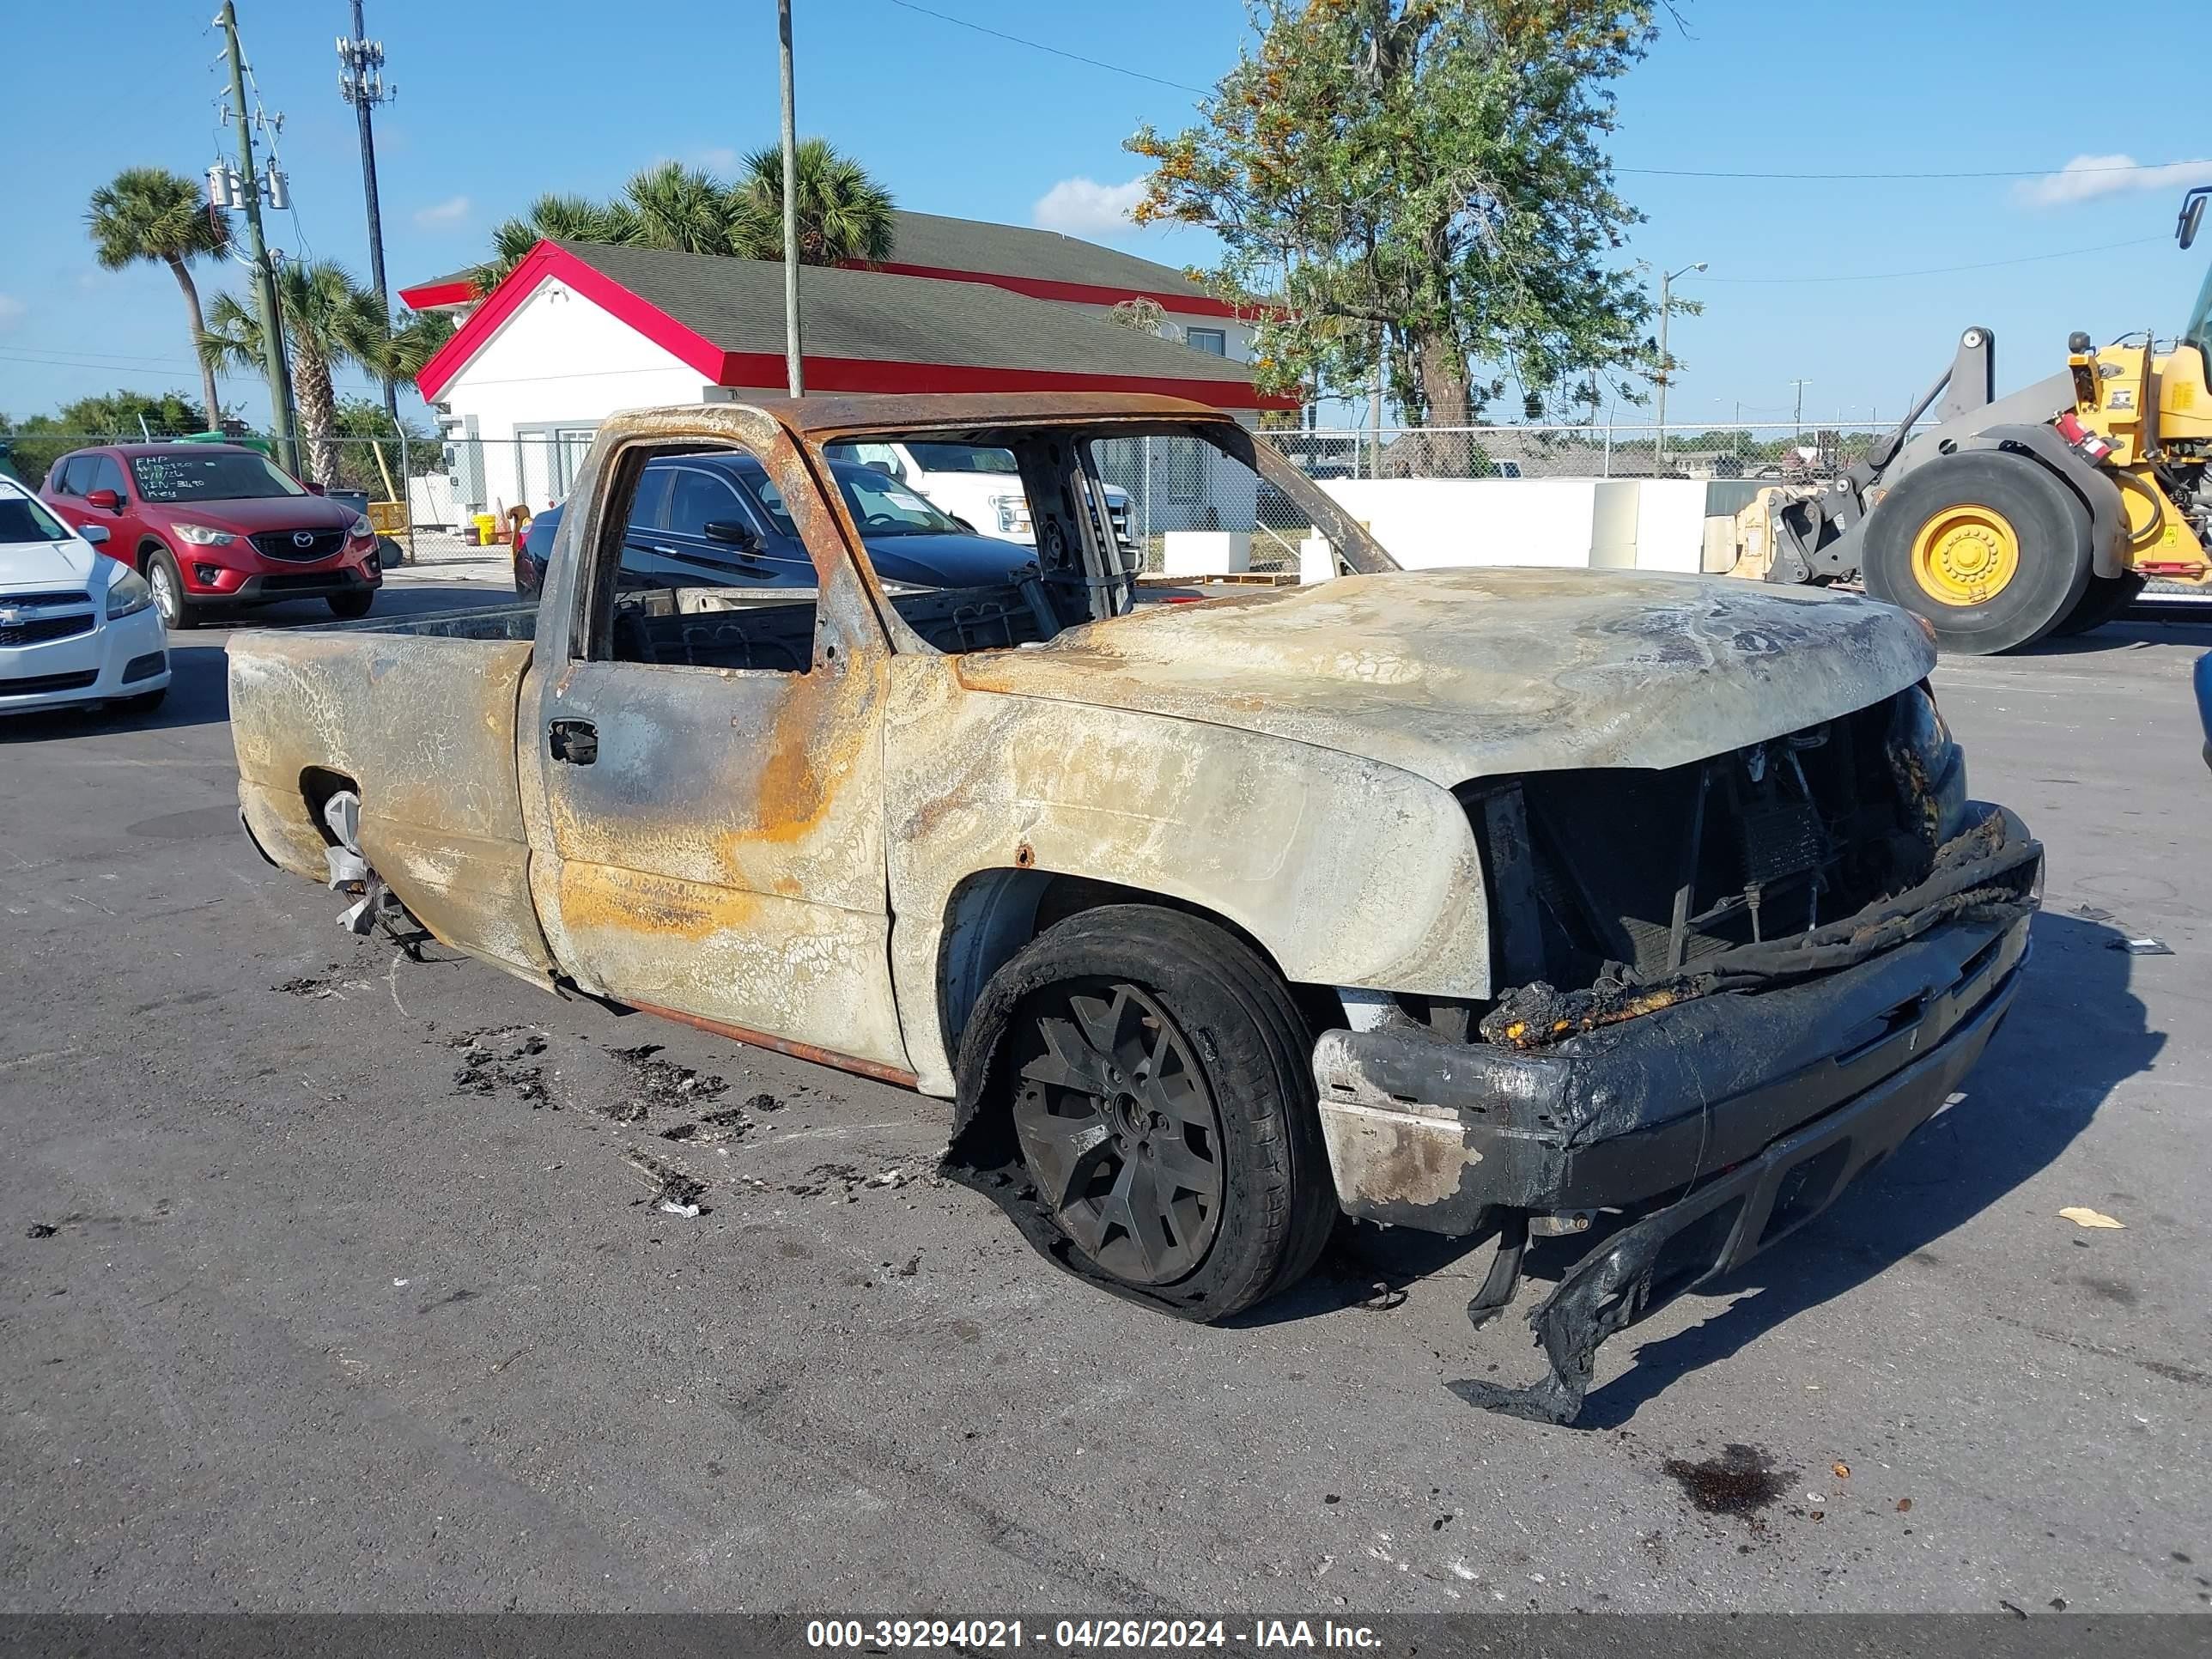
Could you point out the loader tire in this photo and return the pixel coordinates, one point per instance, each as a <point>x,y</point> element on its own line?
<point>1988,548</point>
<point>2104,599</point>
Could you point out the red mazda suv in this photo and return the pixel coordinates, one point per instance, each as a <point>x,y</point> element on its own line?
<point>217,525</point>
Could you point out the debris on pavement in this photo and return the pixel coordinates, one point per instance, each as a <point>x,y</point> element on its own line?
<point>2082,1215</point>
<point>674,1185</point>
<point>1843,1471</point>
<point>2141,944</point>
<point>670,1206</point>
<point>40,1229</point>
<point>1740,1482</point>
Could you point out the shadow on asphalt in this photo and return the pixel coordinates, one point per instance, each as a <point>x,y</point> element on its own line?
<point>2183,623</point>
<point>199,694</point>
<point>2075,1032</point>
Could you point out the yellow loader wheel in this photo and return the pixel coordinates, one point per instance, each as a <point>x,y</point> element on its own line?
<point>1988,546</point>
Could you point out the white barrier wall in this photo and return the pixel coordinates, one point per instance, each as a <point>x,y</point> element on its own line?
<point>1618,523</point>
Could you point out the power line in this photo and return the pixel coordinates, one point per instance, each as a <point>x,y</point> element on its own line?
<point>1998,173</point>
<point>1942,270</point>
<point>1039,46</point>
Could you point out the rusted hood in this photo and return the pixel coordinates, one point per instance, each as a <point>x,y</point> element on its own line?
<point>1457,674</point>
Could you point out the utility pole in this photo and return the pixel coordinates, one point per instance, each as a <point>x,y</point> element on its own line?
<point>361,83</point>
<point>1801,386</point>
<point>1666,365</point>
<point>793,365</point>
<point>272,321</point>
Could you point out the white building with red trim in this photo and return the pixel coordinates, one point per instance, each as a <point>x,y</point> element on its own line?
<point>578,331</point>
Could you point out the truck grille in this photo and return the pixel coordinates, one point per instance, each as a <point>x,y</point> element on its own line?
<point>279,544</point>
<point>37,630</point>
<point>1654,869</point>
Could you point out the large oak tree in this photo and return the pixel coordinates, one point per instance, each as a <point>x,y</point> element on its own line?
<point>1430,174</point>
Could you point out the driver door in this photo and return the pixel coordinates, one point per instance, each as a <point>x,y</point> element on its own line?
<point>708,835</point>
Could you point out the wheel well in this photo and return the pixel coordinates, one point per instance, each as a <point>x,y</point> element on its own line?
<point>994,913</point>
<point>317,785</point>
<point>147,548</point>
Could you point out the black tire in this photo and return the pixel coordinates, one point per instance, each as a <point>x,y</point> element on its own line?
<point>2103,599</point>
<point>178,612</point>
<point>351,606</point>
<point>2047,521</point>
<point>145,702</point>
<point>1205,1011</point>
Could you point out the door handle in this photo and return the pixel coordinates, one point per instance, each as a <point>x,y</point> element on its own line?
<point>575,742</point>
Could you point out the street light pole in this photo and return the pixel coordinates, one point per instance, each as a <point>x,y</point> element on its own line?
<point>1666,364</point>
<point>265,275</point>
<point>794,364</point>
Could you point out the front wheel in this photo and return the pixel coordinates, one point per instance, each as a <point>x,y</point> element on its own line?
<point>169,585</point>
<point>351,606</point>
<point>1154,1075</point>
<point>1988,547</point>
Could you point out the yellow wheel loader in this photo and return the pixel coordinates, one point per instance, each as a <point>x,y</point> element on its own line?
<point>2012,518</point>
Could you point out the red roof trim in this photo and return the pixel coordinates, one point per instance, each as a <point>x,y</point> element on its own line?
<point>737,368</point>
<point>428,296</point>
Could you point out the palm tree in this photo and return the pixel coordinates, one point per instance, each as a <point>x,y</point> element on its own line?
<point>843,215</point>
<point>558,219</point>
<point>676,207</point>
<point>155,214</point>
<point>330,320</point>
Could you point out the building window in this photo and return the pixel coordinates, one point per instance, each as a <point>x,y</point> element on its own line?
<point>1214,340</point>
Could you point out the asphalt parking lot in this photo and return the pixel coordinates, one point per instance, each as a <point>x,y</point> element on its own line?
<point>357,1296</point>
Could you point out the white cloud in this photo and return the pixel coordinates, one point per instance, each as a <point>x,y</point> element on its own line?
<point>1084,206</point>
<point>451,211</point>
<point>11,311</point>
<point>721,159</point>
<point>2085,178</point>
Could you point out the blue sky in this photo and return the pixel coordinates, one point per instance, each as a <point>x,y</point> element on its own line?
<point>500,102</point>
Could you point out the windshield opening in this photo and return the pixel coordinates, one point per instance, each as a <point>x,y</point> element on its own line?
<point>221,477</point>
<point>22,520</point>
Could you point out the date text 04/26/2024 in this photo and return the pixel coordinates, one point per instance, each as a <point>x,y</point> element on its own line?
<point>1084,1635</point>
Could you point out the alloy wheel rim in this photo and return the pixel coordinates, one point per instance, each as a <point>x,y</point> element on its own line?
<point>1118,1126</point>
<point>165,595</point>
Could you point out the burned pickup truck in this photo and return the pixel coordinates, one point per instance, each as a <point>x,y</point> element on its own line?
<point>1485,901</point>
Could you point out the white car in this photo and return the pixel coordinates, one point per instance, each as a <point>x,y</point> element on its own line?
<point>75,627</point>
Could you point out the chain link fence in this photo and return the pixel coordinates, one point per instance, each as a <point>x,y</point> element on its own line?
<point>463,496</point>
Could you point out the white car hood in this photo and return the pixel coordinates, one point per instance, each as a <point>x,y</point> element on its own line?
<point>37,566</point>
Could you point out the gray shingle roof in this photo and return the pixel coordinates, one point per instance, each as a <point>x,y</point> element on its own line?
<point>879,316</point>
<point>931,239</point>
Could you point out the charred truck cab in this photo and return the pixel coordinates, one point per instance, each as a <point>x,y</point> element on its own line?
<point>1481,900</point>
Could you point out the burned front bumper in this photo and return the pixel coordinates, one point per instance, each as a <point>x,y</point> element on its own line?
<point>1719,1124</point>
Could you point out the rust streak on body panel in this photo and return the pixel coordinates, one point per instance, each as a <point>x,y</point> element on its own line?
<point>881,1072</point>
